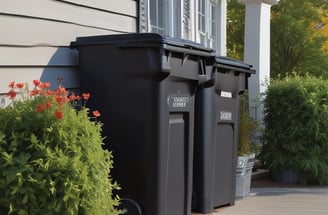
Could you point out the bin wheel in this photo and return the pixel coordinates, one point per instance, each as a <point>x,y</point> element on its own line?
<point>131,206</point>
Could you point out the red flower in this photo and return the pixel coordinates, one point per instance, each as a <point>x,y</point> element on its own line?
<point>47,105</point>
<point>34,92</point>
<point>11,94</point>
<point>62,90</point>
<point>20,85</point>
<point>96,113</point>
<point>47,84</point>
<point>36,82</point>
<point>86,96</point>
<point>59,99</point>
<point>39,108</point>
<point>47,93</point>
<point>11,84</point>
<point>59,114</point>
<point>41,85</point>
<point>44,85</point>
<point>72,97</point>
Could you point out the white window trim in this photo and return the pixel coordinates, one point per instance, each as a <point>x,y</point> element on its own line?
<point>197,32</point>
<point>206,34</point>
<point>194,34</point>
<point>193,20</point>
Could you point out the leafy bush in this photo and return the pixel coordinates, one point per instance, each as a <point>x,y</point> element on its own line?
<point>246,127</point>
<point>51,156</point>
<point>296,128</point>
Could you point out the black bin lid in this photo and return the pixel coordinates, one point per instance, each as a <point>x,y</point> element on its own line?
<point>233,64</point>
<point>144,40</point>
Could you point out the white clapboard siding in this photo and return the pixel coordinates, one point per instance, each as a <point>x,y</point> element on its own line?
<point>127,7</point>
<point>35,36</point>
<point>24,31</point>
<point>37,56</point>
<point>60,11</point>
<point>49,74</point>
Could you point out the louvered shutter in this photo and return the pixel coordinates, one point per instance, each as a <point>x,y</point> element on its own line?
<point>143,16</point>
<point>186,25</point>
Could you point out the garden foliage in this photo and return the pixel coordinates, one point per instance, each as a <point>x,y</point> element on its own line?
<point>246,127</point>
<point>296,127</point>
<point>51,156</point>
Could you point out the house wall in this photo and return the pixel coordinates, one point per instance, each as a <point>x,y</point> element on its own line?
<point>35,36</point>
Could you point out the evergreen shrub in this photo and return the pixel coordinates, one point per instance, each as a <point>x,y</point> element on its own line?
<point>296,128</point>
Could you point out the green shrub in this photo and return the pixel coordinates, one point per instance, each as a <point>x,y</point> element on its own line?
<point>296,128</point>
<point>246,127</point>
<point>51,156</point>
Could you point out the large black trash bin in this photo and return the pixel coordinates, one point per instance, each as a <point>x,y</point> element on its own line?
<point>216,130</point>
<point>144,86</point>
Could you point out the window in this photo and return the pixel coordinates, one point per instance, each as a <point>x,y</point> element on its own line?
<point>212,24</point>
<point>194,20</point>
<point>156,11</point>
<point>201,22</point>
<point>206,23</point>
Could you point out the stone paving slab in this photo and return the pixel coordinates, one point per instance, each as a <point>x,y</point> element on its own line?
<point>280,201</point>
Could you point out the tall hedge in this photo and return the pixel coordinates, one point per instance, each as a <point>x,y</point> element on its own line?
<point>296,128</point>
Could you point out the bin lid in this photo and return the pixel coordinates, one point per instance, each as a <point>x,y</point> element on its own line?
<point>144,40</point>
<point>233,64</point>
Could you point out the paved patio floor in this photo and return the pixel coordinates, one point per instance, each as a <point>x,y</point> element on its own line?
<point>280,201</point>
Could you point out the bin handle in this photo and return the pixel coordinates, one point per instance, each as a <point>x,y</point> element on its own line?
<point>205,77</point>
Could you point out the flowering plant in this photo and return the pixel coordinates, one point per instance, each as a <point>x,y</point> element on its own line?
<point>51,155</point>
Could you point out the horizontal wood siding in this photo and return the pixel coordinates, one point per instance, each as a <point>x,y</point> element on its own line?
<point>26,31</point>
<point>36,34</point>
<point>48,74</point>
<point>63,12</point>
<point>126,7</point>
<point>37,56</point>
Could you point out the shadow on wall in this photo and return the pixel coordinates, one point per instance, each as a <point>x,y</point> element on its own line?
<point>63,65</point>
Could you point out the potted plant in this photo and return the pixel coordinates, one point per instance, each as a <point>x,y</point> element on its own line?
<point>246,156</point>
<point>296,130</point>
<point>51,156</point>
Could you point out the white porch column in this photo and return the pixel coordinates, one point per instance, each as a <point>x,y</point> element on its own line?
<point>222,29</point>
<point>257,50</point>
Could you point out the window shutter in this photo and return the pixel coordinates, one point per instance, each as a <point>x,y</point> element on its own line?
<point>143,16</point>
<point>186,20</point>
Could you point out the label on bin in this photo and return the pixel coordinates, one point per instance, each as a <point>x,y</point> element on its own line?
<point>225,115</point>
<point>178,101</point>
<point>226,94</point>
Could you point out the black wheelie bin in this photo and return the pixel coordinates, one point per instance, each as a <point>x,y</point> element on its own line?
<point>144,85</point>
<point>216,134</point>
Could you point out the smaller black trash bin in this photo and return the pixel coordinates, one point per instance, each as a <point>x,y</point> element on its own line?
<point>144,85</point>
<point>216,130</point>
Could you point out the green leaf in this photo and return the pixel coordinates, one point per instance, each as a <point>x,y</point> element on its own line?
<point>8,159</point>
<point>25,198</point>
